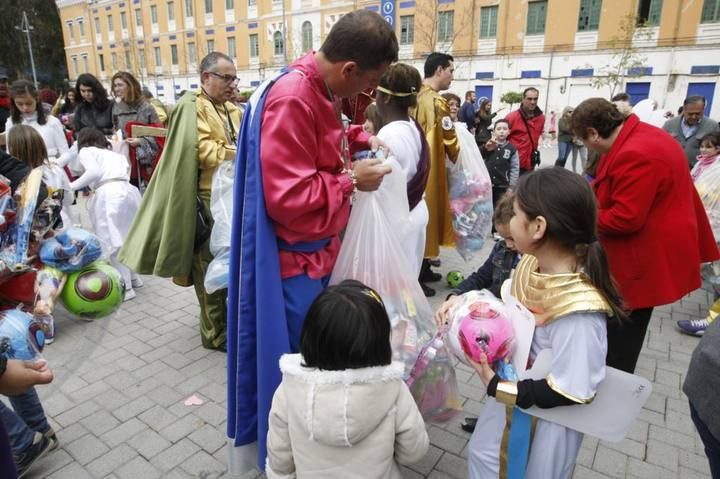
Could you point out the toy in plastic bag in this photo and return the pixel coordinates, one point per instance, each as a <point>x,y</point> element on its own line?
<point>94,292</point>
<point>49,283</point>
<point>480,323</point>
<point>470,196</point>
<point>372,254</point>
<point>221,207</point>
<point>22,335</point>
<point>433,384</point>
<point>708,187</point>
<point>27,201</point>
<point>70,250</point>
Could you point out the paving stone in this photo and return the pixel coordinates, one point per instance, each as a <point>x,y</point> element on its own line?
<point>149,443</point>
<point>202,464</point>
<point>54,461</point>
<point>449,442</point>
<point>183,427</point>
<point>99,422</point>
<point>453,465</point>
<point>111,461</point>
<point>124,432</point>
<point>609,462</point>
<point>133,408</point>
<point>71,471</point>
<point>663,455</point>
<point>86,449</point>
<point>175,454</point>
<point>138,468</point>
<point>207,437</point>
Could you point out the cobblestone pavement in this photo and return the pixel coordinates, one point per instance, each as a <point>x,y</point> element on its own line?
<point>120,383</point>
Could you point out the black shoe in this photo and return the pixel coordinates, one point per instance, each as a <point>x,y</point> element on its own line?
<point>469,424</point>
<point>50,434</point>
<point>39,447</point>
<point>435,262</point>
<point>430,276</point>
<point>427,290</point>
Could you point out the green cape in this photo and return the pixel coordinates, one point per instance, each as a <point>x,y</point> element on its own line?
<point>161,237</point>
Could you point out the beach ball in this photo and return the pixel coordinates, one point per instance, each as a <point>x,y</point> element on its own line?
<point>94,292</point>
<point>454,278</point>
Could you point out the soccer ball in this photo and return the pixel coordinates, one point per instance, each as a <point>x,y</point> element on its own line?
<point>454,278</point>
<point>94,292</point>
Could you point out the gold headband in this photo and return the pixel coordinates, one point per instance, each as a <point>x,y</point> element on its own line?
<point>373,295</point>
<point>394,93</point>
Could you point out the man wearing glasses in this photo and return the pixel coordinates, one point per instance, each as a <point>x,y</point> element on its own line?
<point>171,232</point>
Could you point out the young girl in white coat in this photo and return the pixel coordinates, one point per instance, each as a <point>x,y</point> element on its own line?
<point>342,409</point>
<point>114,202</point>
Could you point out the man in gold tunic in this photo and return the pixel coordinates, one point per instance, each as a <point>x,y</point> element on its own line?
<point>433,115</point>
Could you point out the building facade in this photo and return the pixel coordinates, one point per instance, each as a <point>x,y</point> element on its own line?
<point>568,49</point>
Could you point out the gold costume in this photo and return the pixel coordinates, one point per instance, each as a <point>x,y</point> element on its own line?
<point>551,296</point>
<point>433,114</point>
<point>215,141</point>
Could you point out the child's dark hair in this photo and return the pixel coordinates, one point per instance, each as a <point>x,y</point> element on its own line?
<point>346,327</point>
<point>90,136</point>
<point>504,209</point>
<point>450,97</point>
<point>25,87</point>
<point>712,138</point>
<point>405,80</point>
<point>501,120</point>
<point>568,205</point>
<point>373,115</point>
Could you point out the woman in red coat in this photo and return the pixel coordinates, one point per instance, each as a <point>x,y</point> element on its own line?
<point>650,219</point>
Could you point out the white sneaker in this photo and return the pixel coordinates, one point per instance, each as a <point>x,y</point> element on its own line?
<point>137,281</point>
<point>129,294</point>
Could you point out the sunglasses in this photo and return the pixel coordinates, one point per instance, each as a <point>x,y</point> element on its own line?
<point>225,78</point>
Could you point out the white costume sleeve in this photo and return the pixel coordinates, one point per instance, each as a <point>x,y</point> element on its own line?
<point>92,172</point>
<point>404,144</point>
<point>579,345</point>
<point>57,141</point>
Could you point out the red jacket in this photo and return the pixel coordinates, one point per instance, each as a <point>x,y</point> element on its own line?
<point>650,219</point>
<point>519,135</point>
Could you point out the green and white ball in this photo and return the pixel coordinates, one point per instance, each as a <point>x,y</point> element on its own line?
<point>94,292</point>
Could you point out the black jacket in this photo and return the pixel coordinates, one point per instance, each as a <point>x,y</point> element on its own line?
<point>86,115</point>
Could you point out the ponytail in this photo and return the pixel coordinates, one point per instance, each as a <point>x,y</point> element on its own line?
<point>596,269</point>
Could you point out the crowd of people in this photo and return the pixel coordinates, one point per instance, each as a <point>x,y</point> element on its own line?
<point>592,253</point>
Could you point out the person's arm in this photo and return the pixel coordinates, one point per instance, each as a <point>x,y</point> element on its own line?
<point>635,179</point>
<point>91,174</point>
<point>480,279</point>
<point>280,462</point>
<point>211,151</point>
<point>411,438</point>
<point>16,376</point>
<point>450,141</point>
<point>514,169</point>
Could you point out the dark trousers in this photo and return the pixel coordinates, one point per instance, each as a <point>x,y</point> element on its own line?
<point>711,443</point>
<point>625,340</point>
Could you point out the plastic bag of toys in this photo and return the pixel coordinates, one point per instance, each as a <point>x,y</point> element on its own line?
<point>470,196</point>
<point>708,187</point>
<point>20,335</point>
<point>221,207</point>
<point>480,323</point>
<point>372,254</point>
<point>71,250</point>
<point>433,384</point>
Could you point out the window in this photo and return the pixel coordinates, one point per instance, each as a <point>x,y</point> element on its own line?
<point>208,6</point>
<point>307,37</point>
<point>229,4</point>
<point>488,22</point>
<point>158,58</point>
<point>231,51</point>
<point>711,11</point>
<point>97,26</point>
<point>649,12</point>
<point>138,18</point>
<point>142,59</point>
<point>81,26</point>
<point>192,53</point>
<point>113,61</point>
<point>109,23</point>
<point>86,67</point>
<point>71,32</point>
<point>589,17</point>
<point>254,46</point>
<point>75,66</point>
<point>210,46</point>
<point>123,20</point>
<point>153,14</point>
<point>188,8</point>
<point>278,44</point>
<point>128,62</point>
<point>407,30</point>
<point>101,61</point>
<point>537,11</point>
<point>173,54</point>
<point>445,26</point>
<point>252,3</point>
<point>171,11</point>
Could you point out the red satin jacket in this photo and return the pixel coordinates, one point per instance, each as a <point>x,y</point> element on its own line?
<point>651,221</point>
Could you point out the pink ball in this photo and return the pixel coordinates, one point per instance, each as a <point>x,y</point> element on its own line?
<point>486,330</point>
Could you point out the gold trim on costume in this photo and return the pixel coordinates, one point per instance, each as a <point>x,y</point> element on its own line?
<point>551,296</point>
<point>506,392</point>
<point>553,385</point>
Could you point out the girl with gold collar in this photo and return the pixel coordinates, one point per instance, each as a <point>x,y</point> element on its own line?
<point>563,279</point>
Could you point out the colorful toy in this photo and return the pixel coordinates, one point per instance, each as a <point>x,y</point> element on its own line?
<point>454,278</point>
<point>24,336</point>
<point>480,324</point>
<point>94,292</point>
<point>71,250</point>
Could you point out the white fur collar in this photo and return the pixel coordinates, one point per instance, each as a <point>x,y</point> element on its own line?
<point>291,364</point>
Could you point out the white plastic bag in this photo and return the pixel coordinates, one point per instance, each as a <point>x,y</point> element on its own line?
<point>708,187</point>
<point>221,207</point>
<point>372,253</point>
<point>470,196</point>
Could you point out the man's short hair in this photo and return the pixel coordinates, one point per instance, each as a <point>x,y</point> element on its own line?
<point>435,60</point>
<point>211,60</point>
<point>469,93</point>
<point>622,96</point>
<point>530,88</point>
<point>363,37</point>
<point>692,99</point>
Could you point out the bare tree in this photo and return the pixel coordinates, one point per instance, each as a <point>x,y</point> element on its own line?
<point>427,26</point>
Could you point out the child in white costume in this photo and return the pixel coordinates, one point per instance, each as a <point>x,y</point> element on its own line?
<point>564,280</point>
<point>342,409</point>
<point>114,202</point>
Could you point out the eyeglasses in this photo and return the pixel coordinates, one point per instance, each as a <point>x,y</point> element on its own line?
<point>226,78</point>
